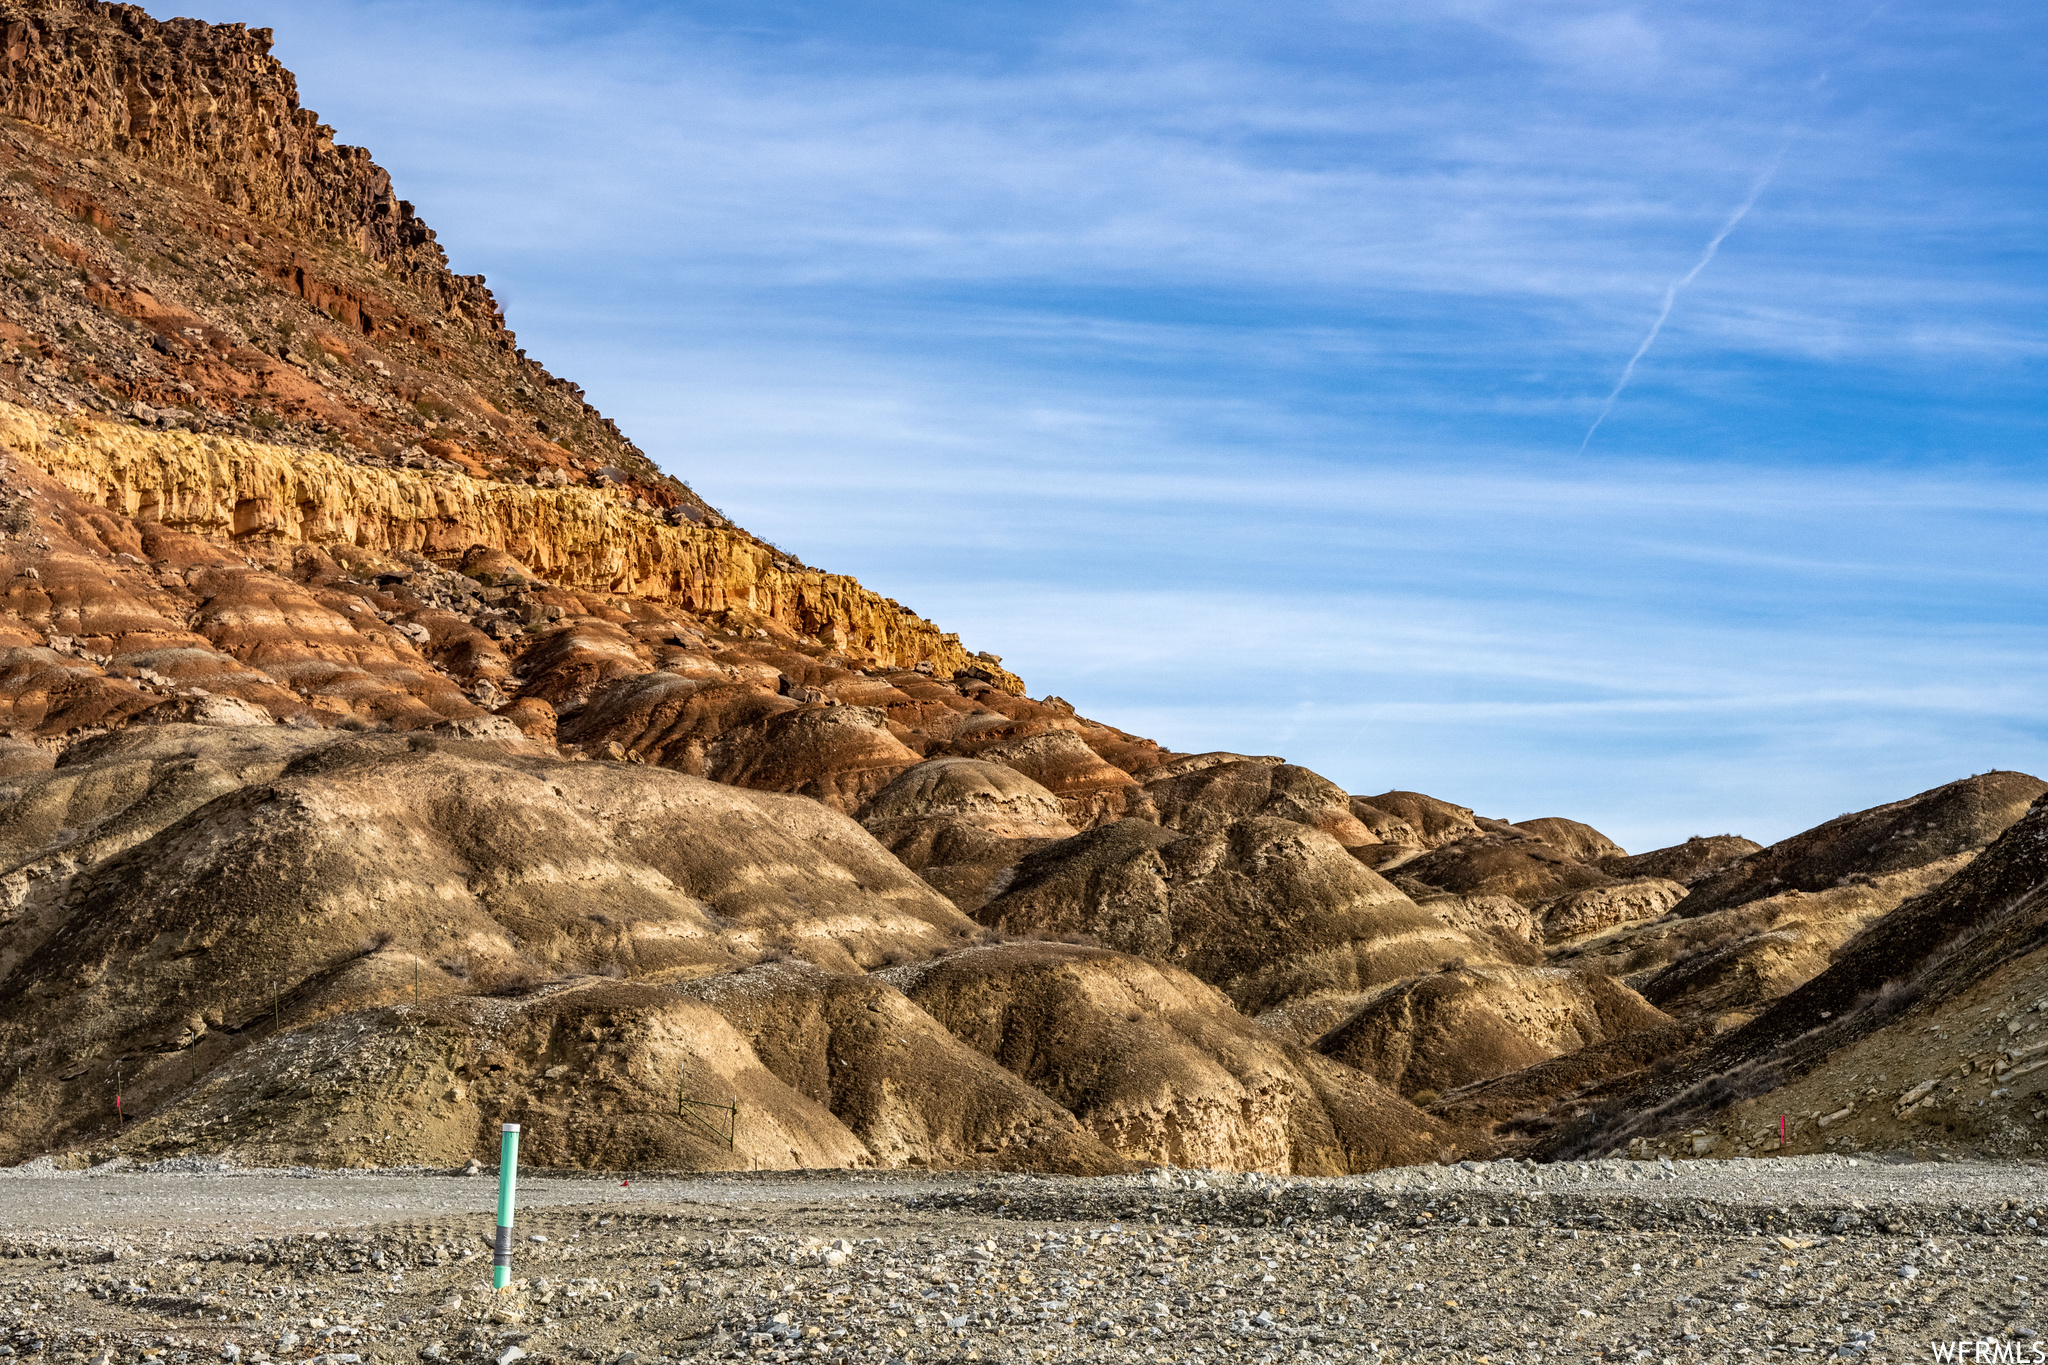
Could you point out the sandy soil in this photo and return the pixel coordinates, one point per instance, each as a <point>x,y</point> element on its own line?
<point>1714,1261</point>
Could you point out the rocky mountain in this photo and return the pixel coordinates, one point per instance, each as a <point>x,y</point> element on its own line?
<point>1927,1030</point>
<point>388,748</point>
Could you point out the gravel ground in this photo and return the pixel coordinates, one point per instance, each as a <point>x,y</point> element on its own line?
<point>1504,1263</point>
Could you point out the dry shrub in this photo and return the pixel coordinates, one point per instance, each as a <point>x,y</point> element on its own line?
<point>1643,958</point>
<point>520,981</point>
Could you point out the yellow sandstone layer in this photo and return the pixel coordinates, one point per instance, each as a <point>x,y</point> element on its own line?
<point>241,491</point>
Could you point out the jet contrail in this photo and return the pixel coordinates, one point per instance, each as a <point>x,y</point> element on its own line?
<point>1671,295</point>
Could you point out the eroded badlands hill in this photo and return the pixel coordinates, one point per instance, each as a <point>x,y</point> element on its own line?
<point>388,749</point>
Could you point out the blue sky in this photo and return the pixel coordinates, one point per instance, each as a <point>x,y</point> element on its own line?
<point>1228,369</point>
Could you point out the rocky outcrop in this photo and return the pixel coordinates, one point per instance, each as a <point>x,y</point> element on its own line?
<point>268,498</point>
<point>1600,908</point>
<point>209,105</point>
<point>230,269</point>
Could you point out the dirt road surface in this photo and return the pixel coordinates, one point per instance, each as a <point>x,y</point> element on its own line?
<point>1767,1260</point>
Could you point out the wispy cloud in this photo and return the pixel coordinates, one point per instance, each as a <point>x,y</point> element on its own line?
<point>1652,730</point>
<point>1677,287</point>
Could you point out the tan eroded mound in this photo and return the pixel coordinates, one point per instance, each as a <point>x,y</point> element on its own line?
<point>1763,948</point>
<point>591,1071</point>
<point>1929,1028</point>
<point>1430,822</point>
<point>1688,863</point>
<point>1771,921</point>
<point>837,755</point>
<point>1205,800</point>
<point>1579,842</point>
<point>988,795</point>
<point>963,824</point>
<point>1267,909</point>
<point>1472,1023</point>
<point>1505,925</point>
<point>1729,963</point>
<point>1159,1067</point>
<point>909,1090</point>
<point>1092,789</point>
<point>1180,765</point>
<point>1521,1107</point>
<point>1600,908</point>
<point>110,794</point>
<point>370,868</point>
<point>1501,862</point>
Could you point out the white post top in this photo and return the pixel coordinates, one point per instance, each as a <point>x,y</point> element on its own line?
<point>508,1127</point>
